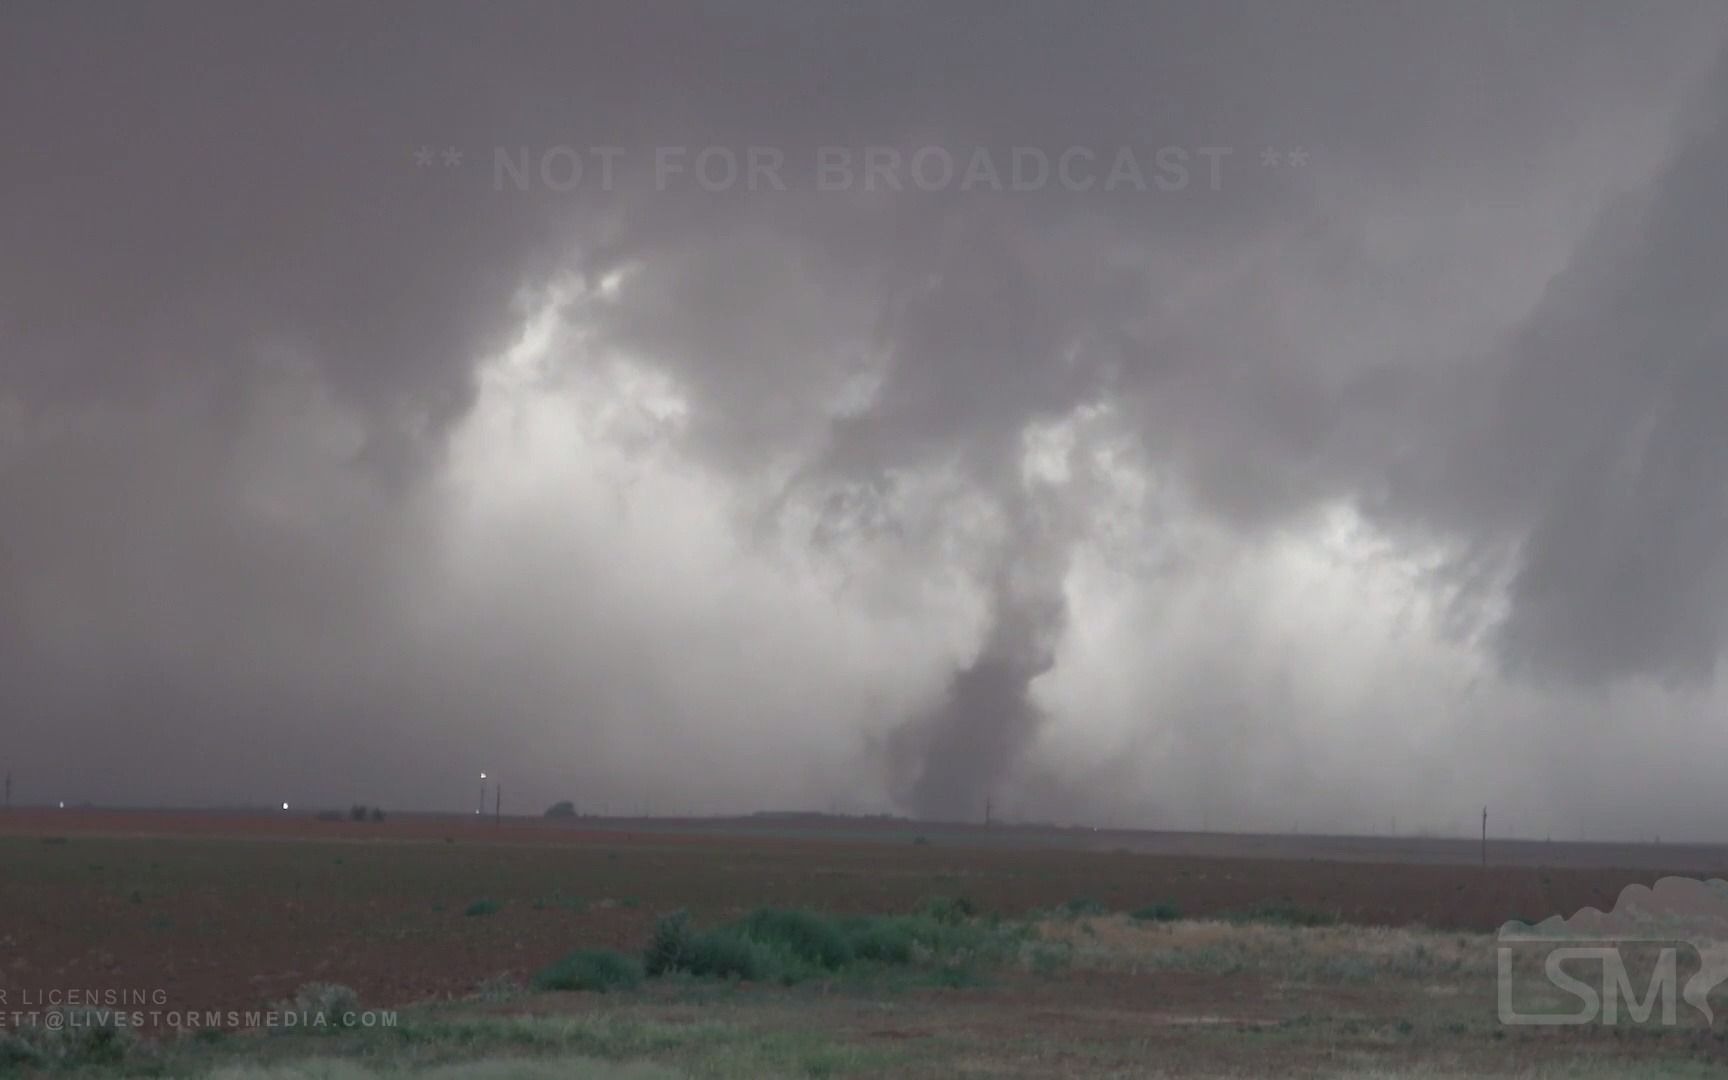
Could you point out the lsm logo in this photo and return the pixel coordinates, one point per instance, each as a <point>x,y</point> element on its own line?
<point>1653,960</point>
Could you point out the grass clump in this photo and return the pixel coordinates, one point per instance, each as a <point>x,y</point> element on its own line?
<point>1048,958</point>
<point>598,1046</point>
<point>483,907</point>
<point>1159,912</point>
<point>949,910</point>
<point>1083,907</point>
<point>600,971</point>
<point>1282,913</point>
<point>320,1007</point>
<point>504,987</point>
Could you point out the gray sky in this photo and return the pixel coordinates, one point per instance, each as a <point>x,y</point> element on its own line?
<point>1330,432</point>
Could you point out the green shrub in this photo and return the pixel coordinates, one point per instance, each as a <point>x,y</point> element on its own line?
<point>805,935</point>
<point>597,970</point>
<point>18,1052</point>
<point>90,1037</point>
<point>1159,912</point>
<point>790,946</point>
<point>729,953</point>
<point>670,948</point>
<point>74,1040</point>
<point>882,940</point>
<point>483,907</point>
<point>768,946</point>
<point>1083,907</point>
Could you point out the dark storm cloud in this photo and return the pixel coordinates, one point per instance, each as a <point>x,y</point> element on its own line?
<point>1607,434</point>
<point>243,328</point>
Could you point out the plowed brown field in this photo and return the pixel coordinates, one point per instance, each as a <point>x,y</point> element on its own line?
<point>236,910</point>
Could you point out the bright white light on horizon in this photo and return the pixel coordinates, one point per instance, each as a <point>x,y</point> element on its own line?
<point>284,806</point>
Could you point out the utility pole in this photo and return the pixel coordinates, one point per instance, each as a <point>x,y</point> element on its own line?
<point>498,803</point>
<point>1484,836</point>
<point>986,810</point>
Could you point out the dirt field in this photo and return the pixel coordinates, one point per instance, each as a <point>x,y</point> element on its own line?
<point>194,902</point>
<point>236,911</point>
